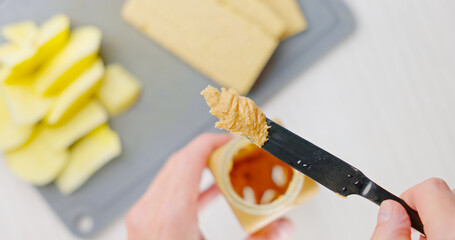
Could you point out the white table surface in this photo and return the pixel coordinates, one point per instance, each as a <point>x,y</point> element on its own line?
<point>383,100</point>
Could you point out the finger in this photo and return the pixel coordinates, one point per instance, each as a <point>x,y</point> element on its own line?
<point>280,229</point>
<point>182,172</point>
<point>207,196</point>
<point>435,203</point>
<point>192,159</point>
<point>393,222</point>
<point>200,148</point>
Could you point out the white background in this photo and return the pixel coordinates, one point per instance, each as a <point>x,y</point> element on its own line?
<point>383,100</point>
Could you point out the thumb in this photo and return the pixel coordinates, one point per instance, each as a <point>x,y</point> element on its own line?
<point>393,222</point>
<point>280,229</point>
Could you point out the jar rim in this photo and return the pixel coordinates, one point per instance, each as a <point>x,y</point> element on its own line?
<point>284,200</point>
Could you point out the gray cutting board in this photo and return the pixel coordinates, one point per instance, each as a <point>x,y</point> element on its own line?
<point>170,111</point>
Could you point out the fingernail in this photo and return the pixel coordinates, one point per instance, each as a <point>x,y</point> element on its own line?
<point>390,212</point>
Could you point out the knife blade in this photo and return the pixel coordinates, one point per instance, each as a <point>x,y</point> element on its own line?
<point>328,170</point>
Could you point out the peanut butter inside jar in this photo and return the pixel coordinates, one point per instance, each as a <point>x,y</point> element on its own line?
<point>257,176</point>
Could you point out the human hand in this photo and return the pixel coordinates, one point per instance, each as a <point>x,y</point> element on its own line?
<point>168,210</point>
<point>435,203</point>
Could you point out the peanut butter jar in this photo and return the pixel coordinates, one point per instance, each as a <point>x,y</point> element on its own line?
<point>258,186</point>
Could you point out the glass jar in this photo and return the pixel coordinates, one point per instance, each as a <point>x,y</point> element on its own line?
<point>254,216</point>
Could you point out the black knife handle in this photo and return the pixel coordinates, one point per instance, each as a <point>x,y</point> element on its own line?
<point>377,194</point>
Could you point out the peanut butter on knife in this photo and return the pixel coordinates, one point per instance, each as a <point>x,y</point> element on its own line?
<point>236,113</point>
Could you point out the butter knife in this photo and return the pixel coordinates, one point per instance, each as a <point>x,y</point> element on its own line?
<point>328,170</point>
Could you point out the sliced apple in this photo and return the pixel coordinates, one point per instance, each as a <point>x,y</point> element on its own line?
<point>22,33</point>
<point>18,58</point>
<point>11,135</point>
<point>52,36</point>
<point>31,46</point>
<point>6,75</point>
<point>76,95</point>
<point>87,156</point>
<point>119,89</point>
<point>37,162</point>
<point>25,105</point>
<point>62,136</point>
<point>78,54</point>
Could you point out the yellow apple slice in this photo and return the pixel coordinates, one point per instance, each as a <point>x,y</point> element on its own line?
<point>78,54</point>
<point>87,156</point>
<point>11,135</point>
<point>62,136</point>
<point>6,75</point>
<point>52,36</point>
<point>18,58</point>
<point>25,105</point>
<point>76,95</point>
<point>22,33</point>
<point>119,89</point>
<point>37,162</point>
<point>30,47</point>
